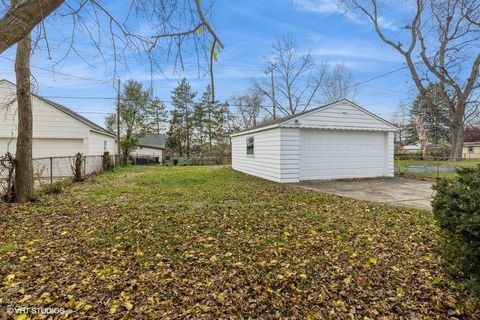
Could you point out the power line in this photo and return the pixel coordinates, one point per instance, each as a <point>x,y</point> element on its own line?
<point>79,97</point>
<point>56,72</point>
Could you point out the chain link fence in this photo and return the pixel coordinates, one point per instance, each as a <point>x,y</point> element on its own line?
<point>434,167</point>
<point>50,169</point>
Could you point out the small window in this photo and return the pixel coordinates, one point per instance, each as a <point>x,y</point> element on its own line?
<point>470,149</point>
<point>250,145</point>
<point>104,146</point>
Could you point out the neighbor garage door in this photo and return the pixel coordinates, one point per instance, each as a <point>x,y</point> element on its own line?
<point>335,154</point>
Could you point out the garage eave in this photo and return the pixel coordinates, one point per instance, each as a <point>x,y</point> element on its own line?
<point>299,126</point>
<point>246,132</point>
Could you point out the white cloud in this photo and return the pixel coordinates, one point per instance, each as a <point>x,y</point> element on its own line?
<point>333,7</point>
<point>319,6</point>
<point>364,52</point>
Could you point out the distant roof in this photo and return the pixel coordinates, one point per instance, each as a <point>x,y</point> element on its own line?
<point>152,140</point>
<point>69,112</point>
<point>474,143</point>
<point>283,119</point>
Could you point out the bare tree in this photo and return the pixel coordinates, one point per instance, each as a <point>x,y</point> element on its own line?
<point>400,119</point>
<point>249,108</point>
<point>297,79</point>
<point>23,165</point>
<point>337,84</point>
<point>296,82</point>
<point>173,23</point>
<point>22,17</point>
<point>444,36</point>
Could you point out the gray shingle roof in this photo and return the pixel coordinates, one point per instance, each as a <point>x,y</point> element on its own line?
<point>152,140</point>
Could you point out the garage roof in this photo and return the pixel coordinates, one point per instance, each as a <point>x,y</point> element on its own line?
<point>277,122</point>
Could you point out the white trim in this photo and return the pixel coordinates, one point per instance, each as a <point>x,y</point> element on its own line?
<point>276,125</point>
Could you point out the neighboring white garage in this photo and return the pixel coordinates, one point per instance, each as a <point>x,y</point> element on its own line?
<point>57,130</point>
<point>337,141</point>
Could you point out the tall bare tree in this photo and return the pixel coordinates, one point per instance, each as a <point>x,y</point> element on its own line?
<point>296,81</point>
<point>21,17</point>
<point>171,24</point>
<point>443,35</point>
<point>337,84</point>
<point>24,187</point>
<point>400,119</point>
<point>249,108</point>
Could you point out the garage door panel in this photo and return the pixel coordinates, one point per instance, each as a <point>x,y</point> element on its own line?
<point>56,147</point>
<point>328,154</point>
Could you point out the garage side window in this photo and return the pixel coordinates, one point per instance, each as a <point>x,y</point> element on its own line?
<point>250,145</point>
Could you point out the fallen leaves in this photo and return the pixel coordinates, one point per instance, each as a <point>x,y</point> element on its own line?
<point>207,242</point>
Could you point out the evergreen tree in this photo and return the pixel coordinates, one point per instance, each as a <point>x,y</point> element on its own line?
<point>180,131</point>
<point>423,119</point>
<point>157,116</point>
<point>199,123</point>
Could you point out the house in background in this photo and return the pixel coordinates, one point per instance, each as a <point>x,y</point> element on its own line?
<point>336,141</point>
<point>57,130</point>
<point>471,150</point>
<point>150,146</point>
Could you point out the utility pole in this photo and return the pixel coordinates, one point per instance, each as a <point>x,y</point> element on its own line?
<point>274,107</point>
<point>118,123</point>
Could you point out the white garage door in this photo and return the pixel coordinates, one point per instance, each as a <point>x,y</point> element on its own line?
<point>43,147</point>
<point>56,147</point>
<point>331,154</point>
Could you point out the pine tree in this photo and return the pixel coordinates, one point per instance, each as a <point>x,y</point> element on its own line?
<point>199,125</point>
<point>434,130</point>
<point>157,116</point>
<point>174,134</point>
<point>180,130</point>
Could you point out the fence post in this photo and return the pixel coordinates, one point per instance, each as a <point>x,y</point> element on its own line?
<point>51,169</point>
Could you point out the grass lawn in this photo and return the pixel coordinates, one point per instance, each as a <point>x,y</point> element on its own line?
<point>208,242</point>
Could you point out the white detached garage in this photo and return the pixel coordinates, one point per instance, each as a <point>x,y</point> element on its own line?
<point>340,140</point>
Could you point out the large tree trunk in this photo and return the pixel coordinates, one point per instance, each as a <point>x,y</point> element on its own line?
<point>422,135</point>
<point>458,137</point>
<point>22,17</point>
<point>24,167</point>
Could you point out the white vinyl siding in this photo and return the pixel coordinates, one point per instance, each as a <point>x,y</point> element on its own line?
<point>97,143</point>
<point>265,162</point>
<point>55,133</point>
<point>341,140</point>
<point>147,152</point>
<point>334,154</point>
<point>43,147</point>
<point>289,154</point>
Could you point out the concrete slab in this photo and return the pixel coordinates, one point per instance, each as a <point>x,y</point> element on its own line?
<point>395,191</point>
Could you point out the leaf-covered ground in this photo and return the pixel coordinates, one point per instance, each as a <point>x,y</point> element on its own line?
<point>207,242</point>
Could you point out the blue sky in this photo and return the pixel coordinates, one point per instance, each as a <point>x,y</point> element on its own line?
<point>248,28</point>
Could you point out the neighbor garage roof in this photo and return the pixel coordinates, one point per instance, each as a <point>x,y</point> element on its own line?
<point>152,140</point>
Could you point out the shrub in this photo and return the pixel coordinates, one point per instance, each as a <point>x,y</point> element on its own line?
<point>441,152</point>
<point>457,211</point>
<point>55,187</point>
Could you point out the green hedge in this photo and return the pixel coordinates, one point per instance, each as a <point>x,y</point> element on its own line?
<point>457,211</point>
